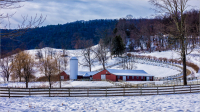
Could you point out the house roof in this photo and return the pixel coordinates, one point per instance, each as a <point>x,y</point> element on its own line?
<point>86,73</point>
<point>83,73</point>
<point>128,72</point>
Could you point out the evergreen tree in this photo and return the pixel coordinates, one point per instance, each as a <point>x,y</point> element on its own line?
<point>118,46</point>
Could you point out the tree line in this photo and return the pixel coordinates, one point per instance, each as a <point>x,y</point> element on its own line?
<point>140,34</point>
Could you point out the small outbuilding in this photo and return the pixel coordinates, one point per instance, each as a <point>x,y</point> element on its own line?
<point>125,75</point>
<point>64,75</point>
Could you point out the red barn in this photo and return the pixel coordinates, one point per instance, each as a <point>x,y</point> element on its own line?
<point>126,75</point>
<point>63,76</point>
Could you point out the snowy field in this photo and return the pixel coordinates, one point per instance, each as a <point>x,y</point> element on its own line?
<point>153,70</point>
<point>193,57</point>
<point>157,103</point>
<point>157,71</point>
<point>57,84</point>
<point>141,82</point>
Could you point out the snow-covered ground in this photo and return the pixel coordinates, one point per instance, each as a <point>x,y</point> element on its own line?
<point>157,71</point>
<point>77,53</point>
<point>57,84</point>
<point>157,103</point>
<point>153,70</point>
<point>193,57</point>
<point>141,82</point>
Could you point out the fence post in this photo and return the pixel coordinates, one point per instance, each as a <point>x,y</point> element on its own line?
<point>140,90</point>
<point>174,89</point>
<point>124,91</point>
<point>87,92</point>
<point>49,92</point>
<point>29,92</point>
<point>157,90</point>
<point>9,92</point>
<point>106,91</point>
<point>69,91</point>
<point>190,88</point>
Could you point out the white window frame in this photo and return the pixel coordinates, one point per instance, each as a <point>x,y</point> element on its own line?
<point>62,77</point>
<point>103,75</point>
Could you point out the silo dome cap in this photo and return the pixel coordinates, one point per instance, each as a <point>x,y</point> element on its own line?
<point>73,58</point>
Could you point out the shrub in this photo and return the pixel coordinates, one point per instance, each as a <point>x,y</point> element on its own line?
<point>129,55</point>
<point>45,79</point>
<point>192,65</point>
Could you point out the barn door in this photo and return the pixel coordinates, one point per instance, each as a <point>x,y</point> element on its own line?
<point>124,78</point>
<point>103,77</point>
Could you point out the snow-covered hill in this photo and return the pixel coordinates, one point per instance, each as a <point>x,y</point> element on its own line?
<point>157,71</point>
<point>193,57</point>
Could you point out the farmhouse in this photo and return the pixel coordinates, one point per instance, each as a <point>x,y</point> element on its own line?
<point>125,75</point>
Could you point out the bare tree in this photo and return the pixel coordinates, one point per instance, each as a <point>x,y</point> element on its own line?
<point>6,67</point>
<point>65,62</point>
<point>128,63</point>
<point>175,9</point>
<point>27,67</point>
<point>48,67</point>
<point>102,53</point>
<point>23,64</point>
<point>51,52</point>
<point>39,54</point>
<point>64,58</point>
<point>26,23</point>
<point>106,34</point>
<point>58,59</point>
<point>87,53</point>
<point>17,67</point>
<point>9,4</point>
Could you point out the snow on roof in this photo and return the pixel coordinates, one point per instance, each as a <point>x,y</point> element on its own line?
<point>129,72</point>
<point>86,73</point>
<point>83,73</point>
<point>73,58</point>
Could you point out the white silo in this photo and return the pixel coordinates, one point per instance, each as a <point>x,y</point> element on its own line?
<point>73,68</point>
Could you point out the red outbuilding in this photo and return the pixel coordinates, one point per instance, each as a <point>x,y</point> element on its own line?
<point>63,76</point>
<point>125,75</point>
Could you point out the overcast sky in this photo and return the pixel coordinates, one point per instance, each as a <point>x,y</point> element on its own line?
<point>64,11</point>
